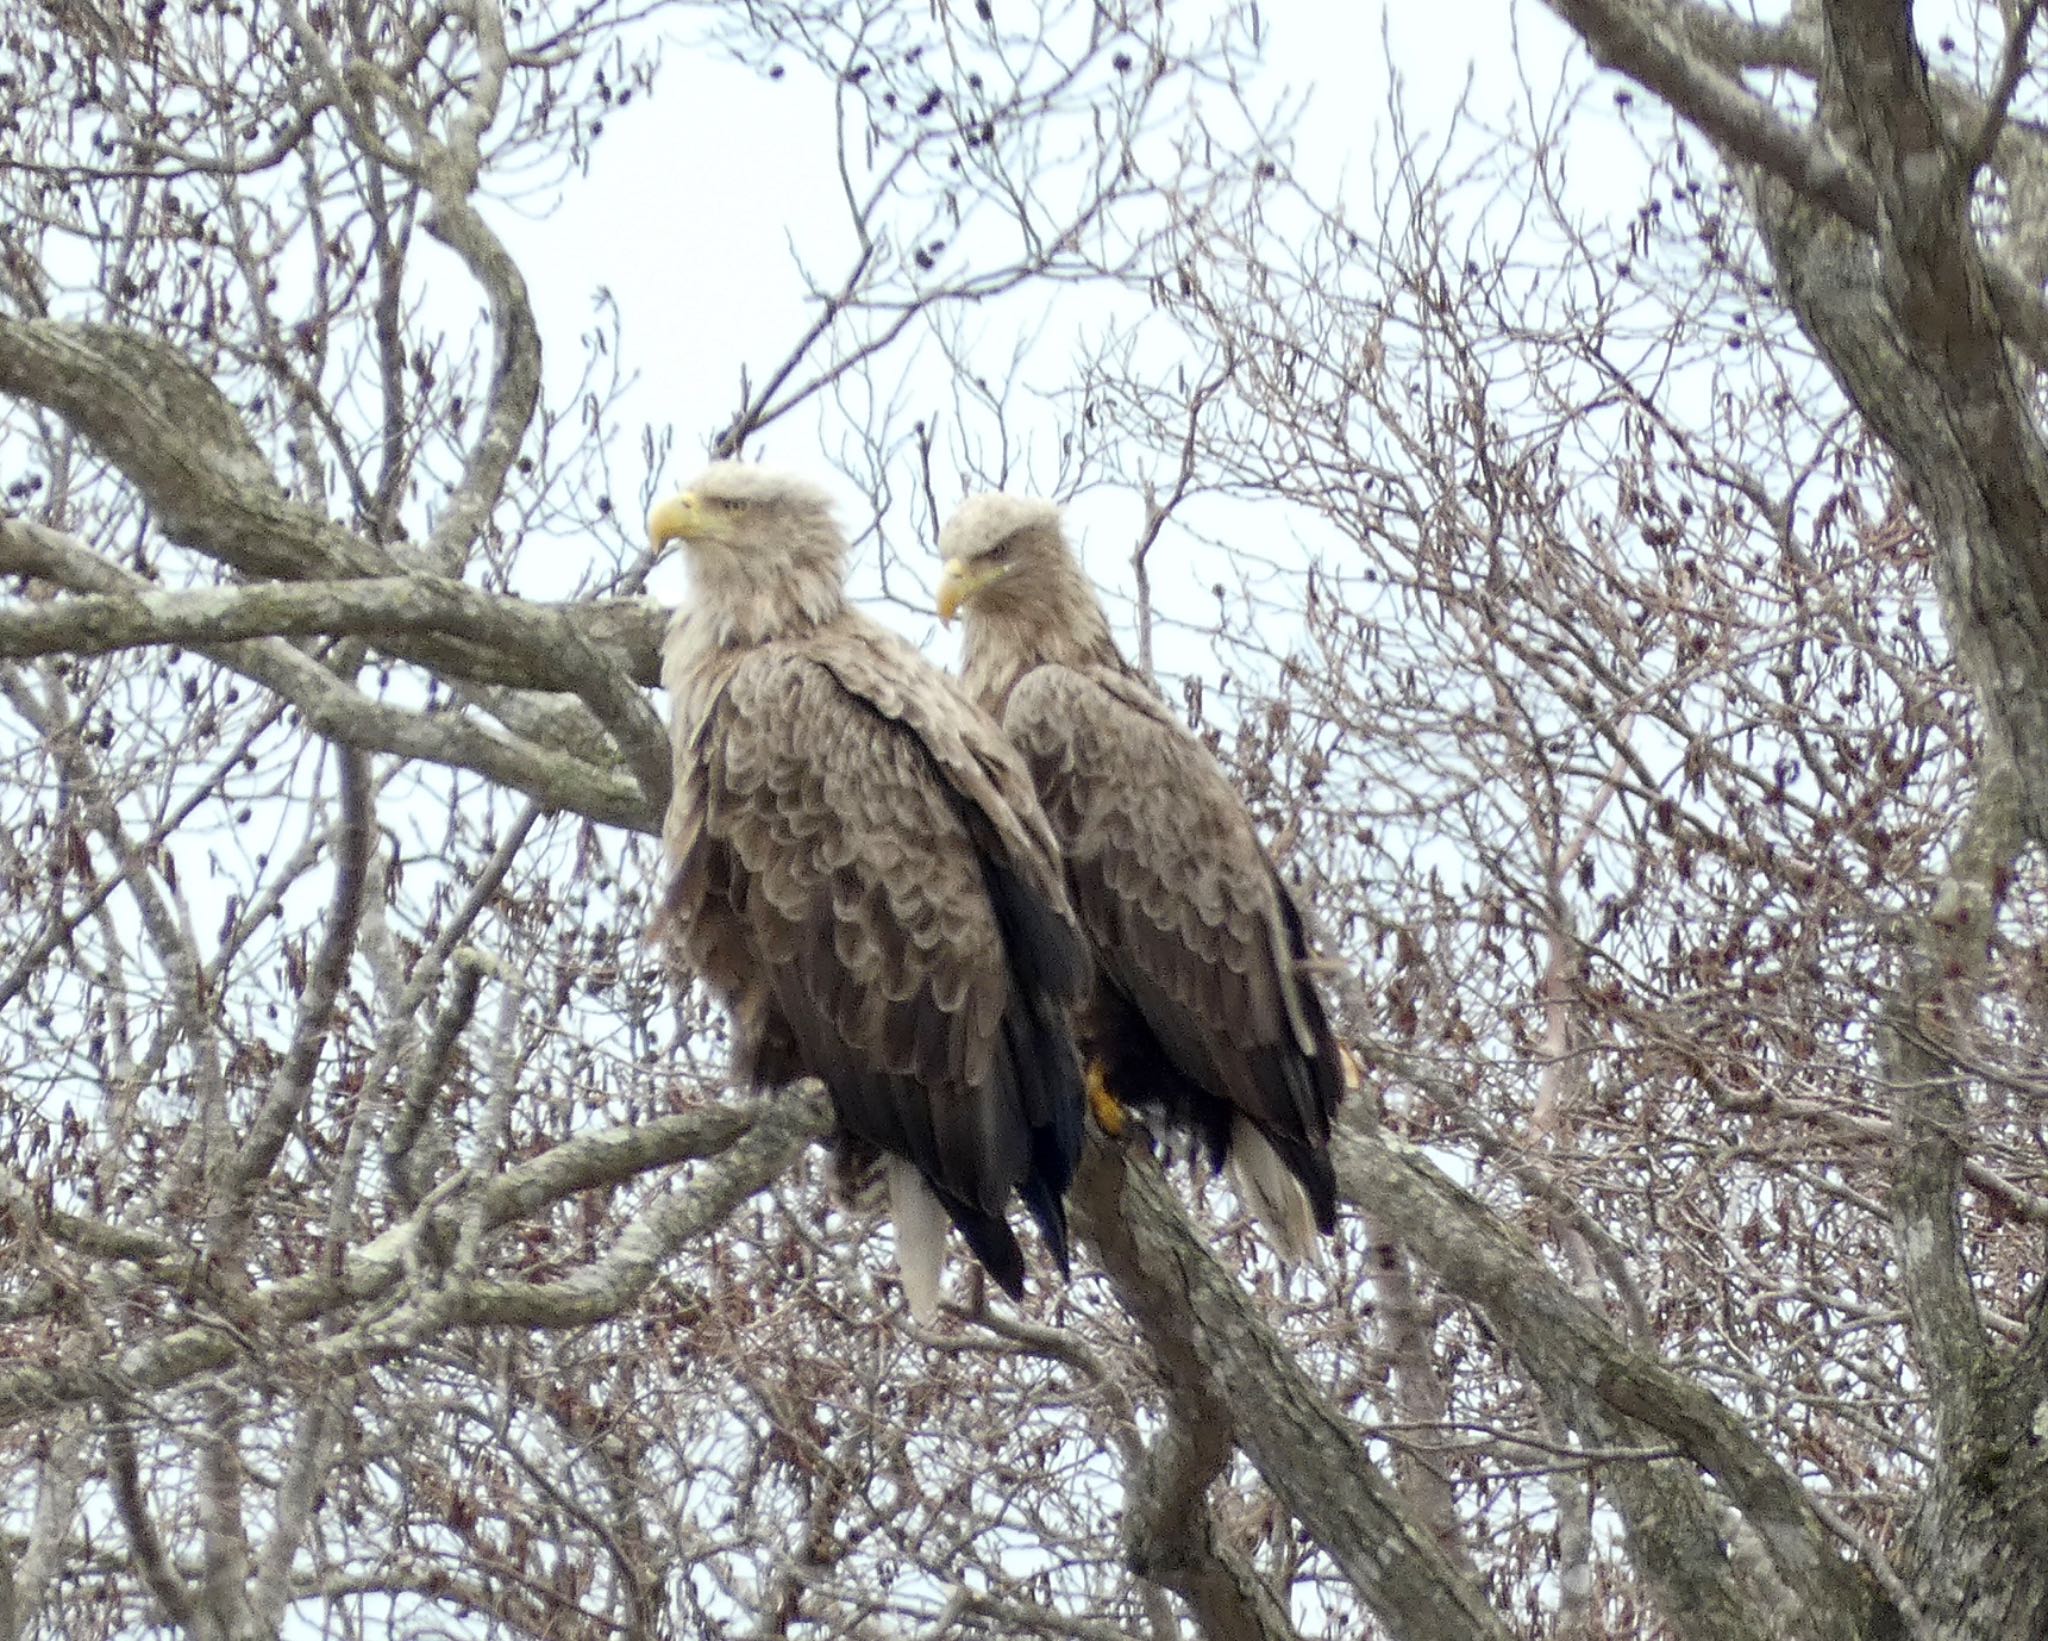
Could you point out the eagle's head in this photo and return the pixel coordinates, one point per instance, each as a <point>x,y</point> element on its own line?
<point>764,548</point>
<point>1002,553</point>
<point>749,512</point>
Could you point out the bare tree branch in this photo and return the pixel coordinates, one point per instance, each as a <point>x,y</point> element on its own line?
<point>611,1157</point>
<point>374,607</point>
<point>1208,1343</point>
<point>345,715</point>
<point>1656,45</point>
<point>1599,1383</point>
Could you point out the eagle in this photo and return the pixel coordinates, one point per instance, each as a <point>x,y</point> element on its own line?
<point>1203,1005</point>
<point>858,866</point>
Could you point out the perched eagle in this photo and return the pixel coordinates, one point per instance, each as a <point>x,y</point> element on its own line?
<point>859,867</point>
<point>1203,1004</point>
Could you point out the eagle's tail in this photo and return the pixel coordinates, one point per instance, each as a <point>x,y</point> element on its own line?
<point>1267,1186</point>
<point>921,1226</point>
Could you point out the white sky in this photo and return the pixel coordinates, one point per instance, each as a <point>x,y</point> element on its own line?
<point>696,307</point>
<point>691,230</point>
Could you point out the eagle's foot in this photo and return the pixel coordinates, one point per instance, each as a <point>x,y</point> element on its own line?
<point>1109,1111</point>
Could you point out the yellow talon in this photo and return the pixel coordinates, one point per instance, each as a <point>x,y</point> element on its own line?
<point>1354,1071</point>
<point>1109,1114</point>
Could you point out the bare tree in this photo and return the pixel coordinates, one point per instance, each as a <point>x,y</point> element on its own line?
<point>1624,735</point>
<point>384,1248</point>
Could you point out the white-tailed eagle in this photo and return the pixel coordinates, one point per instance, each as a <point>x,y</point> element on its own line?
<point>1203,1003</point>
<point>858,866</point>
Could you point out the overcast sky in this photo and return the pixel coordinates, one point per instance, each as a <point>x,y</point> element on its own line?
<point>694,197</point>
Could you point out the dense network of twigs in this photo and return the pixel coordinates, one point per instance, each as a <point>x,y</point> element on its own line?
<point>1622,618</point>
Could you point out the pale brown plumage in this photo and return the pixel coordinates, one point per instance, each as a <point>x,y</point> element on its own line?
<point>1203,1004</point>
<point>860,869</point>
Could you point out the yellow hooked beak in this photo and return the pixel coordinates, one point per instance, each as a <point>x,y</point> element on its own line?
<point>680,518</point>
<point>960,581</point>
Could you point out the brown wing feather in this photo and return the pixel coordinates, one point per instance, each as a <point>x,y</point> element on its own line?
<point>848,872</point>
<point>1182,909</point>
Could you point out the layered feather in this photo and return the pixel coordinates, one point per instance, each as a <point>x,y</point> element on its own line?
<point>859,867</point>
<point>1203,1004</point>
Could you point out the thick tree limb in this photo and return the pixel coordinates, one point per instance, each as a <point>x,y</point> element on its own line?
<point>1209,1343</point>
<point>1989,1507</point>
<point>1659,47</point>
<point>558,656</point>
<point>1938,1003</point>
<point>1605,1387</point>
<point>785,1121</point>
<point>344,714</point>
<point>783,1125</point>
<point>1169,1532</point>
<point>178,441</point>
<point>1921,349</point>
<point>373,607</point>
<point>1652,46</point>
<point>1919,320</point>
<point>145,407</point>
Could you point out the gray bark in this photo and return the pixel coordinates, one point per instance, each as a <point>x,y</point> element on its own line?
<point>1867,216</point>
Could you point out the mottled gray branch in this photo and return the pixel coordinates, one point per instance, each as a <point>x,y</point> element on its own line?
<point>1915,340</point>
<point>1651,45</point>
<point>403,1168</point>
<point>1986,1514</point>
<point>99,1240</point>
<point>1169,1531</point>
<point>1606,1389</point>
<point>145,407</point>
<point>2012,66</point>
<point>145,1544</point>
<point>1420,1396</point>
<point>515,372</point>
<point>176,439</point>
<point>1938,1002</point>
<point>65,1463</point>
<point>609,1157</point>
<point>783,1125</point>
<point>625,632</point>
<point>1659,46</point>
<point>557,656</point>
<point>342,713</point>
<point>1209,1343</point>
<point>450,170</point>
<point>299,1497</point>
<point>292,1086</point>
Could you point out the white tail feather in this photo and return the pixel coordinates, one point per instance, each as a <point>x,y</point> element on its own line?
<point>921,1226</point>
<point>1266,1186</point>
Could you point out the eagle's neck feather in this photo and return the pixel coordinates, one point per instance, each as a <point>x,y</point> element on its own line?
<point>1055,620</point>
<point>731,611</point>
